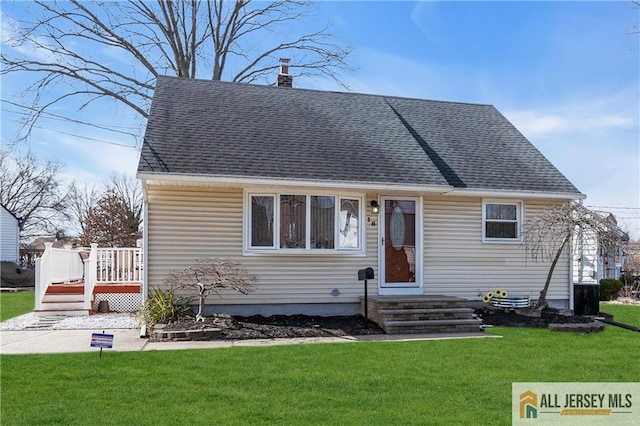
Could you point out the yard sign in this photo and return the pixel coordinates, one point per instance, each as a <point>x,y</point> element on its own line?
<point>102,341</point>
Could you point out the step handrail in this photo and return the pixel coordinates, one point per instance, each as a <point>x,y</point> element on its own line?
<point>90,276</point>
<point>56,265</point>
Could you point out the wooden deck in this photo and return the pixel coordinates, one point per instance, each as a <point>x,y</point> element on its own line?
<point>68,298</point>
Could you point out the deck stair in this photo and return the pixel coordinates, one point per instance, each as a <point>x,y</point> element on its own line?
<point>64,299</point>
<point>69,281</point>
<point>421,314</point>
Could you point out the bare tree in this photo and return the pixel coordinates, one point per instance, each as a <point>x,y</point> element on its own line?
<point>63,45</point>
<point>110,223</point>
<point>129,191</point>
<point>32,190</point>
<point>109,216</point>
<point>82,200</point>
<point>550,233</point>
<point>208,276</point>
<point>632,259</point>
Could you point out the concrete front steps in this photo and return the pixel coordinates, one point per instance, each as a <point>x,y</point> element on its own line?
<point>421,314</point>
<point>63,299</point>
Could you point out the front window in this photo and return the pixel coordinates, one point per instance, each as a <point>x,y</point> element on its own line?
<point>323,222</point>
<point>502,221</point>
<point>261,221</point>
<point>303,222</point>
<point>293,221</point>
<point>349,226</point>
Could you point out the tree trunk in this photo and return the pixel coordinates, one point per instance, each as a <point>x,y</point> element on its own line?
<point>203,296</point>
<point>542,301</point>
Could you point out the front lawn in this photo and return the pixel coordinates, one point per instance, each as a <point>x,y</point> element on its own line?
<point>16,303</point>
<point>382,383</point>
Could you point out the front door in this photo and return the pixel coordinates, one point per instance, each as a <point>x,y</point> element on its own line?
<point>401,246</point>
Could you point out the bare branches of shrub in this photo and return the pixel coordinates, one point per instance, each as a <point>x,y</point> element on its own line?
<point>549,233</point>
<point>207,276</point>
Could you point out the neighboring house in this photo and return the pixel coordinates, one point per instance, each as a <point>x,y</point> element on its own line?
<point>592,264</point>
<point>306,187</point>
<point>632,260</point>
<point>10,236</point>
<point>31,251</point>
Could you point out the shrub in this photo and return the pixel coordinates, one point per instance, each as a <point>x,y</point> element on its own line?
<point>207,276</point>
<point>163,307</point>
<point>609,288</point>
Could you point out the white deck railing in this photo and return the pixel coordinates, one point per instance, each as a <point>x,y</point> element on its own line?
<point>119,265</point>
<point>56,265</point>
<point>102,266</point>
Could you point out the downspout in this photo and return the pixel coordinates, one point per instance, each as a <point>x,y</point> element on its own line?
<point>571,257</point>
<point>145,241</point>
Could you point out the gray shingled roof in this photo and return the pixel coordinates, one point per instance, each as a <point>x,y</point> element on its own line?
<point>212,128</point>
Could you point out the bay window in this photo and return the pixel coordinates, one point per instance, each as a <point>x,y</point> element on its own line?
<point>303,223</point>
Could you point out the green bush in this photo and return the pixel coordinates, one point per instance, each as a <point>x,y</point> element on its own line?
<point>609,288</point>
<point>163,307</point>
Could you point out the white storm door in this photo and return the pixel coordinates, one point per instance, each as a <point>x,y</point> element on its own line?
<point>400,245</point>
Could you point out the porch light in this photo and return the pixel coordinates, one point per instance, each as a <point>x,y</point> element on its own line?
<point>375,207</point>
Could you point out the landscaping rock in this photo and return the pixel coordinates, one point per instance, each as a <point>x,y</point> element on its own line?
<point>591,327</point>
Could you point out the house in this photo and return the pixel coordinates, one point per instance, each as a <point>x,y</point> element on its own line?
<point>592,263</point>
<point>306,187</point>
<point>35,249</point>
<point>10,236</point>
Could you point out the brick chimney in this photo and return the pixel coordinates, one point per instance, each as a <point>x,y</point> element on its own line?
<point>284,79</point>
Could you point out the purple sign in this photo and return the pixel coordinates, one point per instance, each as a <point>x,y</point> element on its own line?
<point>102,341</point>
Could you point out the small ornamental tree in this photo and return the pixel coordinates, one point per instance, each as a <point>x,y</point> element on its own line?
<point>208,276</point>
<point>548,234</point>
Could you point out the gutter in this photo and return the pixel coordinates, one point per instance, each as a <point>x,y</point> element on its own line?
<point>151,178</point>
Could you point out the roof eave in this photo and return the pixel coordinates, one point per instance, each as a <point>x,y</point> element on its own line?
<point>466,192</point>
<point>175,178</point>
<point>154,178</point>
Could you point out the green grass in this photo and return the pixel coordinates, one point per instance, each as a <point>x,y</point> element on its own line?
<point>462,382</point>
<point>14,304</point>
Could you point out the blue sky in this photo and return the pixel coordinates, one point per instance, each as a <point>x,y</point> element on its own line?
<point>565,73</point>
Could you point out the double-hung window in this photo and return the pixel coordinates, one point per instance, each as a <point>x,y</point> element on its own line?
<point>296,222</point>
<point>502,221</point>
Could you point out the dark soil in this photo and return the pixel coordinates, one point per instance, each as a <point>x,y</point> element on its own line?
<point>515,319</point>
<point>282,326</point>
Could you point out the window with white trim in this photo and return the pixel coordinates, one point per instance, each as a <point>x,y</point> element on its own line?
<point>303,222</point>
<point>501,221</point>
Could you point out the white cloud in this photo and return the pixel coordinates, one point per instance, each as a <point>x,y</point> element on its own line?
<point>600,115</point>
<point>34,47</point>
<point>534,124</point>
<point>89,160</point>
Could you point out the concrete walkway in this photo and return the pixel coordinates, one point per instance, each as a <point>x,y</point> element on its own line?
<point>68,341</point>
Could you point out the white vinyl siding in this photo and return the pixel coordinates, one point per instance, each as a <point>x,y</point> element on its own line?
<point>458,263</point>
<point>186,223</point>
<point>9,229</point>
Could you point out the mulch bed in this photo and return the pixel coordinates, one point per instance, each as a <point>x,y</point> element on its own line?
<point>288,326</point>
<point>514,319</point>
<point>281,326</point>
